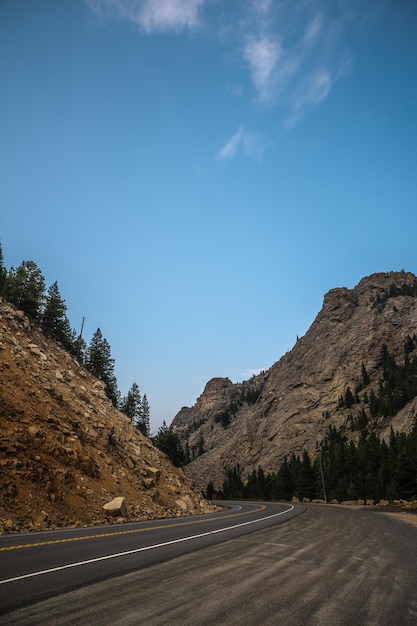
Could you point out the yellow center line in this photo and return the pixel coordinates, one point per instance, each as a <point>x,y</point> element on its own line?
<point>125,532</point>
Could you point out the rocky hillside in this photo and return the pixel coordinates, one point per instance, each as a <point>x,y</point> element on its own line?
<point>290,407</point>
<point>64,450</point>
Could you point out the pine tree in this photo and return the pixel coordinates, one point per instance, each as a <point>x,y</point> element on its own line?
<point>283,487</point>
<point>53,313</point>
<point>365,376</point>
<point>131,403</point>
<point>144,425</point>
<point>80,348</point>
<point>55,323</point>
<point>100,363</point>
<point>168,441</point>
<point>3,275</point>
<point>137,409</point>
<point>26,289</point>
<point>349,400</point>
<point>307,479</point>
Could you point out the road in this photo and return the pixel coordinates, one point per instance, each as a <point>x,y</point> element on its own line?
<point>331,566</point>
<point>35,566</point>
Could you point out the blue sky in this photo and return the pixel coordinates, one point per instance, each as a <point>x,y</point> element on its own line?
<point>197,174</point>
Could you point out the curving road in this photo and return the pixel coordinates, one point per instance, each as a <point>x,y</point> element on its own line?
<point>331,566</point>
<point>36,566</point>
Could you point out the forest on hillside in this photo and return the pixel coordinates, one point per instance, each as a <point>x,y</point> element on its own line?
<point>25,288</point>
<point>369,470</point>
<point>352,462</point>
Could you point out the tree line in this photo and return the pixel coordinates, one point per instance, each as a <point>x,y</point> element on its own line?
<point>341,469</point>
<point>351,462</point>
<point>25,288</point>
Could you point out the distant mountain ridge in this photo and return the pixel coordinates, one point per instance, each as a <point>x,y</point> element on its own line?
<point>290,407</point>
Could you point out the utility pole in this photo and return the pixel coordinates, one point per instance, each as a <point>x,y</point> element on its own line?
<point>322,480</point>
<point>79,339</point>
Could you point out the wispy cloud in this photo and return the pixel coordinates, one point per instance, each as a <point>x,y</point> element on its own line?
<point>312,90</point>
<point>294,52</point>
<point>313,30</point>
<point>151,15</point>
<point>244,143</point>
<point>252,372</point>
<point>292,58</point>
<point>263,55</point>
<point>261,7</point>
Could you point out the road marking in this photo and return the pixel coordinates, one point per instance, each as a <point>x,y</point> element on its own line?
<point>124,532</point>
<point>143,549</point>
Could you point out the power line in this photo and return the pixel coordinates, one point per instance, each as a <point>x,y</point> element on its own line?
<point>132,340</point>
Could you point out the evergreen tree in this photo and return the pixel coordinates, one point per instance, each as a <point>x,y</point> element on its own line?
<point>200,445</point>
<point>100,363</point>
<point>80,348</point>
<point>168,441</point>
<point>26,289</point>
<point>144,425</point>
<point>54,322</point>
<point>3,275</point>
<point>408,345</point>
<point>137,409</point>
<point>349,400</point>
<point>250,490</point>
<point>232,485</point>
<point>261,485</point>
<point>374,404</point>
<point>210,491</point>
<point>365,376</point>
<point>307,479</point>
<point>131,403</point>
<point>283,486</point>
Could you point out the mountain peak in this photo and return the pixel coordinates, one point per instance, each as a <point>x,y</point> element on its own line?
<point>289,408</point>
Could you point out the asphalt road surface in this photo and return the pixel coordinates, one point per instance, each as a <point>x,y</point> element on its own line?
<point>35,566</point>
<point>331,566</point>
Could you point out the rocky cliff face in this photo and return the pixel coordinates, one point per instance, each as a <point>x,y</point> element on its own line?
<point>290,407</point>
<point>64,450</point>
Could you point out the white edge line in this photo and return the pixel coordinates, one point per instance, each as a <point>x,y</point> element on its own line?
<point>143,549</point>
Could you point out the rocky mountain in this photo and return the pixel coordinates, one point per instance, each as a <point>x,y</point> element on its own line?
<point>65,451</point>
<point>290,407</point>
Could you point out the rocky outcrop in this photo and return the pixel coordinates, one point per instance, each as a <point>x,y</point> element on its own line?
<point>65,451</point>
<point>290,407</point>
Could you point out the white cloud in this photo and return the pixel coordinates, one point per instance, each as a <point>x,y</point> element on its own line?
<point>313,30</point>
<point>312,90</point>
<point>170,14</point>
<point>293,51</point>
<point>262,55</point>
<point>151,15</point>
<point>243,142</point>
<point>261,7</point>
<point>252,372</point>
<point>313,94</point>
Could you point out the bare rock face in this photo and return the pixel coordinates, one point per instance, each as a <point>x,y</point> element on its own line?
<point>65,451</point>
<point>216,391</point>
<point>290,407</point>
